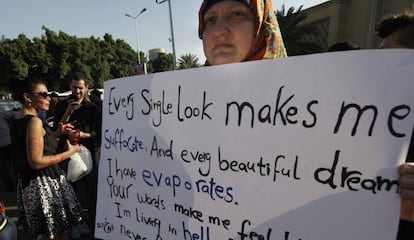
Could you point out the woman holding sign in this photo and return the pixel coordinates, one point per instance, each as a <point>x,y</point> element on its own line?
<point>247,30</point>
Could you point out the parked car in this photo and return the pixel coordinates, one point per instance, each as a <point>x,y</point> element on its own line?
<point>8,105</point>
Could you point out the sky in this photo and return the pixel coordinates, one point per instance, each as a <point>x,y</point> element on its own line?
<point>86,18</point>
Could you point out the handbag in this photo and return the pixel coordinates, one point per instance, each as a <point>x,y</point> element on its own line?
<point>79,165</point>
<point>8,229</point>
<point>3,222</point>
<point>2,209</point>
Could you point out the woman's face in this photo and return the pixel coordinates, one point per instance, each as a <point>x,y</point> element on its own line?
<point>228,33</point>
<point>40,98</point>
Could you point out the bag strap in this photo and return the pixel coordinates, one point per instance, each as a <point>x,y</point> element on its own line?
<point>3,224</point>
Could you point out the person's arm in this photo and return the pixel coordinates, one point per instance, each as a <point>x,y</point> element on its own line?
<point>95,123</point>
<point>66,128</point>
<point>35,147</point>
<point>87,135</point>
<point>72,106</point>
<point>63,110</point>
<point>406,182</point>
<point>60,109</point>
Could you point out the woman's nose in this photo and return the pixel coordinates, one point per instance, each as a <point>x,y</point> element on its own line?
<point>221,26</point>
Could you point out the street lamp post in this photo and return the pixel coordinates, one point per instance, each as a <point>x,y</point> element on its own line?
<point>172,30</point>
<point>136,29</point>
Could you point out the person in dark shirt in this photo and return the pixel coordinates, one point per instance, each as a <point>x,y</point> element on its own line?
<point>86,117</point>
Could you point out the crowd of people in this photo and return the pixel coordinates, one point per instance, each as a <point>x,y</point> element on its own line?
<point>231,31</point>
<point>37,156</point>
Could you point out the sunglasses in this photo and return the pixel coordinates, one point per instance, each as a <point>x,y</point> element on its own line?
<point>42,94</point>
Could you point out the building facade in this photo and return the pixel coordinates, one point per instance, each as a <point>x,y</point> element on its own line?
<point>352,20</point>
<point>153,53</point>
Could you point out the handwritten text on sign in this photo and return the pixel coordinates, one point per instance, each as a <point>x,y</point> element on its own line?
<point>299,148</point>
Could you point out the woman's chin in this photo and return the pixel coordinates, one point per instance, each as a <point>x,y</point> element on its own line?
<point>224,60</point>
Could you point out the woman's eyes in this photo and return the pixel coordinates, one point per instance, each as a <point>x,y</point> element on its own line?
<point>232,15</point>
<point>210,20</point>
<point>237,14</point>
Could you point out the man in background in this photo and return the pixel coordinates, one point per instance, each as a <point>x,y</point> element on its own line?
<point>397,31</point>
<point>86,117</point>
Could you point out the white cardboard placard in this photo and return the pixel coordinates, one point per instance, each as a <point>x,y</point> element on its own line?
<point>297,148</point>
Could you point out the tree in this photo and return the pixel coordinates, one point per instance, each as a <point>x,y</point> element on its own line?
<point>13,59</point>
<point>119,56</point>
<point>164,62</point>
<point>188,61</point>
<point>58,55</point>
<point>296,34</point>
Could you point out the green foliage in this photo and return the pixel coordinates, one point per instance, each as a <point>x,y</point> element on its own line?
<point>150,69</point>
<point>296,34</point>
<point>188,61</point>
<point>164,62</point>
<point>58,55</point>
<point>12,55</point>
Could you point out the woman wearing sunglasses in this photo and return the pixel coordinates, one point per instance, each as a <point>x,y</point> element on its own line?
<point>247,30</point>
<point>47,203</point>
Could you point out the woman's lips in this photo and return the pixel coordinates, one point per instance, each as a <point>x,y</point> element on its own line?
<point>222,47</point>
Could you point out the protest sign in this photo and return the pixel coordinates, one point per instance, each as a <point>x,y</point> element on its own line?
<point>297,148</point>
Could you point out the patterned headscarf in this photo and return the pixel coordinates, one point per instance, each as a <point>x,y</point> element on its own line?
<point>268,42</point>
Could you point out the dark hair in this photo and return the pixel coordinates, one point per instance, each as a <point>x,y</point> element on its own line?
<point>77,76</point>
<point>96,92</point>
<point>404,23</point>
<point>19,86</point>
<point>343,46</point>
